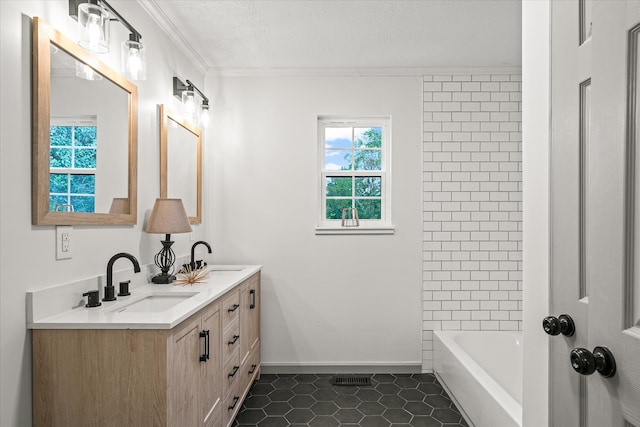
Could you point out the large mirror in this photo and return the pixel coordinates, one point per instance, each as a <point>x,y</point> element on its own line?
<point>181,163</point>
<point>84,136</point>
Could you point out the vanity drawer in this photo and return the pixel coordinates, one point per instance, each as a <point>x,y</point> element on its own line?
<point>230,405</point>
<point>250,368</point>
<point>230,372</point>
<point>230,341</point>
<point>230,309</point>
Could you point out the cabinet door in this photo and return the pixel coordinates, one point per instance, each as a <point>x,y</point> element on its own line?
<point>250,315</point>
<point>185,355</point>
<point>211,381</point>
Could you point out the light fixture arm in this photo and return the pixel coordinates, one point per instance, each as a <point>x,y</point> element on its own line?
<point>205,100</point>
<point>73,12</point>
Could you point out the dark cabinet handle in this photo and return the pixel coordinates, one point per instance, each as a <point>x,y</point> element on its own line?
<point>204,357</point>
<point>234,372</point>
<point>562,324</point>
<point>233,308</point>
<point>253,369</point>
<point>235,402</point>
<point>233,341</point>
<point>585,362</point>
<point>252,292</point>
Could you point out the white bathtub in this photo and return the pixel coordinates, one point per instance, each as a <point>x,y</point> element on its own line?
<point>482,371</point>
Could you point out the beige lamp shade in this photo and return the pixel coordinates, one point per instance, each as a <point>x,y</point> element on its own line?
<point>167,217</point>
<point>119,205</point>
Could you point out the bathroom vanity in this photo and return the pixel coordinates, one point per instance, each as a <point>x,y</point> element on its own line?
<point>164,356</point>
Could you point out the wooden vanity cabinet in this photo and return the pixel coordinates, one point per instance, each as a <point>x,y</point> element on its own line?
<point>145,378</point>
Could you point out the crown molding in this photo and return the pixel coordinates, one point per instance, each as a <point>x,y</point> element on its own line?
<point>152,8</point>
<point>358,72</point>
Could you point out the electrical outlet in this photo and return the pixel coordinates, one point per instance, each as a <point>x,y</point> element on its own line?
<point>63,242</point>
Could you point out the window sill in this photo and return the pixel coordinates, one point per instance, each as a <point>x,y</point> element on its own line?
<point>320,230</point>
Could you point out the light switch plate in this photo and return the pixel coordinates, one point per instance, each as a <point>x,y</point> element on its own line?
<point>64,248</point>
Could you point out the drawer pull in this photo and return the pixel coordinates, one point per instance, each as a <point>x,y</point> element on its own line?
<point>253,369</point>
<point>235,402</point>
<point>204,357</point>
<point>252,292</point>
<point>234,372</point>
<point>234,340</point>
<point>233,308</point>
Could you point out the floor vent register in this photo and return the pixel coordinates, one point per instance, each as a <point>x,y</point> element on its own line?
<point>353,380</point>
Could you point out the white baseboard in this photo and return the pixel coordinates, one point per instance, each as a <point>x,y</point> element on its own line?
<point>337,368</point>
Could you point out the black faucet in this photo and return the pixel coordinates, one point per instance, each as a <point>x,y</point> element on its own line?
<point>108,289</point>
<point>193,250</point>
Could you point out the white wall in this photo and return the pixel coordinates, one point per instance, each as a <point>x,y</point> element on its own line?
<point>27,253</point>
<point>327,300</point>
<point>535,148</point>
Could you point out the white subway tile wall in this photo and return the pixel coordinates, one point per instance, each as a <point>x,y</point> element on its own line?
<point>472,204</point>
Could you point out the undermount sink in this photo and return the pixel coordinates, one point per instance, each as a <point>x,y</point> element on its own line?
<point>155,303</point>
<point>225,270</point>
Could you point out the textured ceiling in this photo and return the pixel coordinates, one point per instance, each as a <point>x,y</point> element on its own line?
<point>344,34</point>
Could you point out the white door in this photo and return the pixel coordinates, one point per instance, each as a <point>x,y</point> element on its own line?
<point>595,236</point>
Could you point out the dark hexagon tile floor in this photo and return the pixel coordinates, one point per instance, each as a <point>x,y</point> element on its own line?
<point>309,400</point>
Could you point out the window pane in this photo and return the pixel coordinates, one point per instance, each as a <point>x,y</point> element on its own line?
<point>60,135</point>
<point>335,206</point>
<point>338,138</point>
<point>85,136</point>
<point>336,160</point>
<point>58,183</point>
<point>85,158</point>
<point>368,208</point>
<point>368,186</point>
<point>60,157</point>
<point>83,184</point>
<point>57,200</point>
<point>370,160</point>
<point>368,137</point>
<point>339,186</point>
<point>82,203</point>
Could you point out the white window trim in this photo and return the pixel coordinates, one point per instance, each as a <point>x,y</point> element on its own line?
<point>333,227</point>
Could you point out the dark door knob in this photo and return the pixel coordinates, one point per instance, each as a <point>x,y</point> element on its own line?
<point>585,362</point>
<point>562,324</point>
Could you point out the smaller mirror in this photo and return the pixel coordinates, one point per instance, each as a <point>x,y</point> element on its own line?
<point>181,163</point>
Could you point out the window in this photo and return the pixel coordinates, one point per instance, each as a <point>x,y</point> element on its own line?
<point>354,173</point>
<point>72,157</point>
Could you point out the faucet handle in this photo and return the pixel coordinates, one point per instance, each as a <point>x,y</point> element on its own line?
<point>124,289</point>
<point>93,299</point>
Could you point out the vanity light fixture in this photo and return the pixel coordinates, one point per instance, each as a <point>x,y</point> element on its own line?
<point>186,93</point>
<point>93,18</point>
<point>167,216</point>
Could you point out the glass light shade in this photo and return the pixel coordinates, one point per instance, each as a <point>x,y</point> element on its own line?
<point>204,115</point>
<point>85,72</point>
<point>189,105</point>
<point>134,63</point>
<point>93,27</point>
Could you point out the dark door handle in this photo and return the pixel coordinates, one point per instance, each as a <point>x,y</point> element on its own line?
<point>233,308</point>
<point>562,324</point>
<point>252,292</point>
<point>585,362</point>
<point>205,356</point>
<point>233,340</point>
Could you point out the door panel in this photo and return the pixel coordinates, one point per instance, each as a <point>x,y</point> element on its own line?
<point>570,135</point>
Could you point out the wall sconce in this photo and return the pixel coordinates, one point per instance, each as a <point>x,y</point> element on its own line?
<point>93,18</point>
<point>186,93</point>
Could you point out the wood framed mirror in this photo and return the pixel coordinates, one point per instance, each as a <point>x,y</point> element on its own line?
<point>85,136</point>
<point>181,162</point>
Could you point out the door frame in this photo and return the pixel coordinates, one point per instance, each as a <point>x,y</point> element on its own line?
<point>536,250</point>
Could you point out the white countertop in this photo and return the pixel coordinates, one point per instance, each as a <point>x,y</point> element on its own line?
<point>114,315</point>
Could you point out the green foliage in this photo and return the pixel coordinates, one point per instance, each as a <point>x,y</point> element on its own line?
<point>83,203</point>
<point>85,158</point>
<point>60,135</point>
<point>85,136</point>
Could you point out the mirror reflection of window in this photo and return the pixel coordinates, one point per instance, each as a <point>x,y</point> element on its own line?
<point>73,160</point>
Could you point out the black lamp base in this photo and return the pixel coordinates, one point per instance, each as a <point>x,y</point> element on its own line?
<point>163,279</point>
